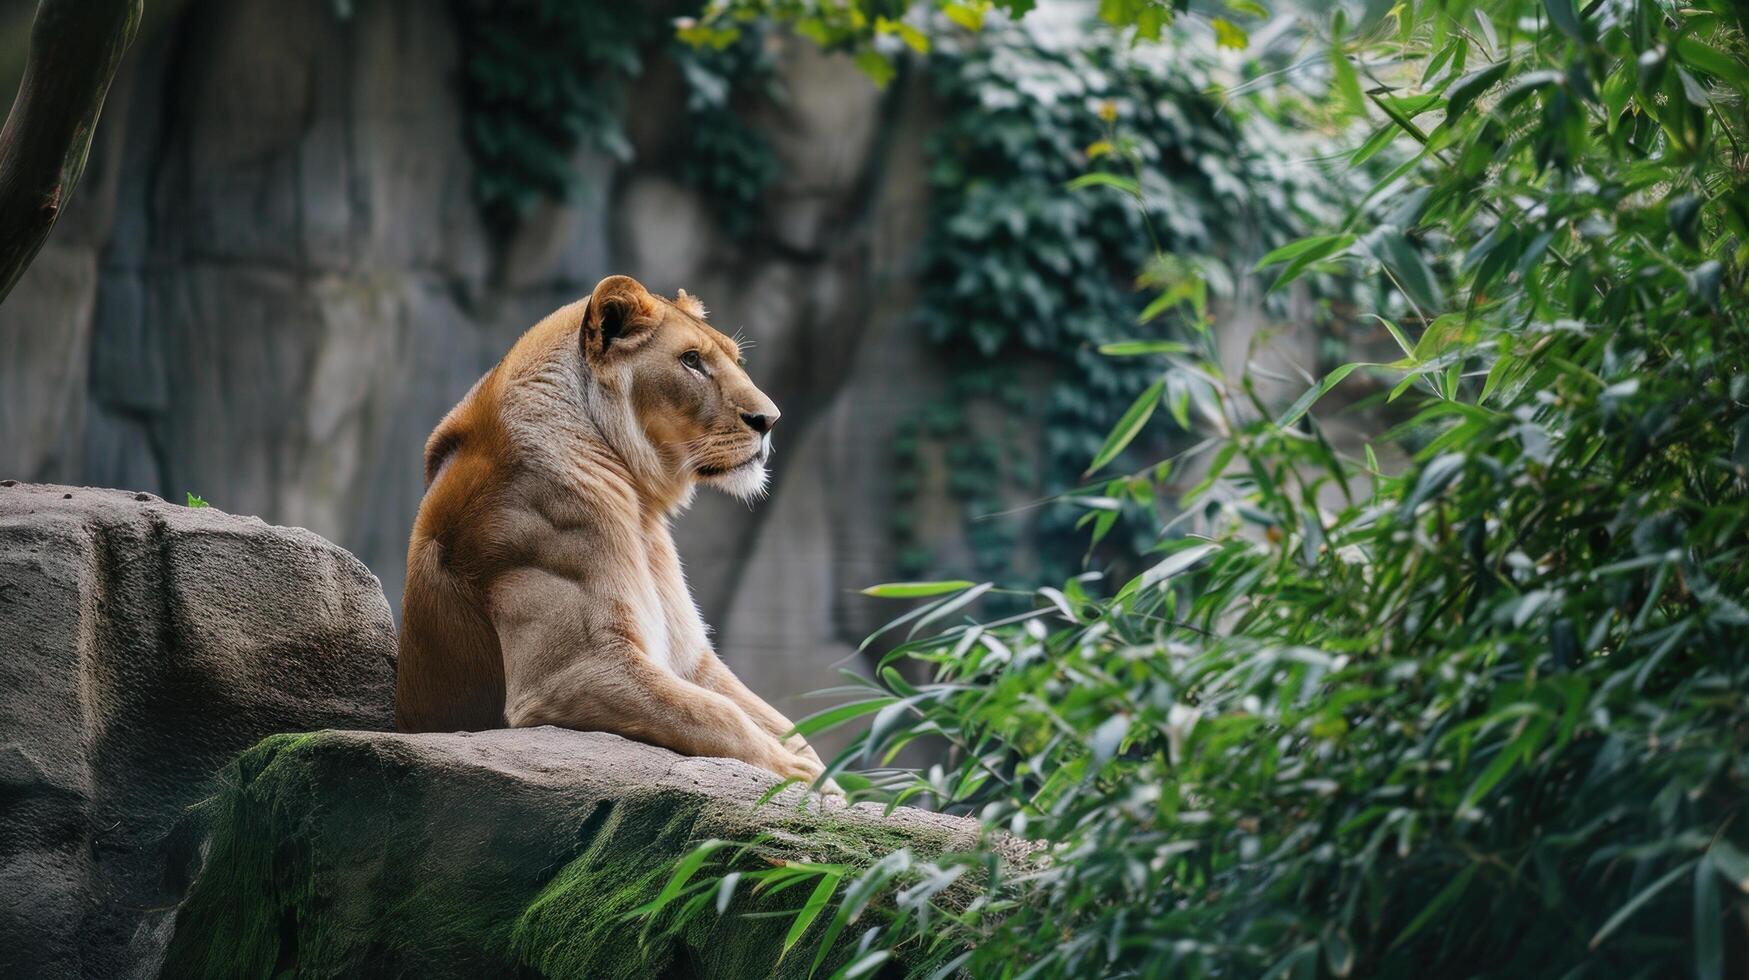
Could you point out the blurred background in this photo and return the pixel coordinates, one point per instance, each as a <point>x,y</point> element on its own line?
<point>308,226</point>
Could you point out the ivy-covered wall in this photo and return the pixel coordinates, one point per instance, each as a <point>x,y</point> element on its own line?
<point>1057,168</point>
<point>308,227</point>
<point>543,79</point>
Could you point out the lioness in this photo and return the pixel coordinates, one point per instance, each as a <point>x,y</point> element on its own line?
<point>543,586</point>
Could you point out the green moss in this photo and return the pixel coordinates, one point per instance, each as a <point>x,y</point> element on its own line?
<point>576,925</point>
<point>336,854</point>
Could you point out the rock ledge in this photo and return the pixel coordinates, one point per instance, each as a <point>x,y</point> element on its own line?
<point>160,817</point>
<point>507,853</point>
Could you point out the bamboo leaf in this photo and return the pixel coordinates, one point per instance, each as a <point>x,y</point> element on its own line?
<point>1129,426</point>
<point>683,872</point>
<point>1116,182</point>
<point>1446,896</point>
<point>1347,83</point>
<point>886,722</point>
<point>1709,954</point>
<point>833,717</point>
<point>952,605</point>
<point>1565,18</point>
<point>1136,348</point>
<point>726,891</point>
<point>1732,863</point>
<point>1320,244</point>
<point>1408,268</point>
<point>1634,904</point>
<point>1304,403</point>
<point>810,911</point>
<point>1176,563</point>
<point>915,590</point>
<point>1332,247</point>
<point>1517,751</point>
<point>1711,60</point>
<point>1466,90</point>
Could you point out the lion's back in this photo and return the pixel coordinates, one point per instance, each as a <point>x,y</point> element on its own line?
<point>450,675</point>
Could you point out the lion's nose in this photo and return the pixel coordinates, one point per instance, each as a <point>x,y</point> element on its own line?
<point>759,423</point>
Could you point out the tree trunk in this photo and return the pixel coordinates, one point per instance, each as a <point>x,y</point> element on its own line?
<point>75,47</point>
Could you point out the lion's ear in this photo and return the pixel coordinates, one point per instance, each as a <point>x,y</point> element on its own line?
<point>621,313</point>
<point>689,304</point>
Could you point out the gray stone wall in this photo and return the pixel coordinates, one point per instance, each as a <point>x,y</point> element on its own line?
<point>272,283</point>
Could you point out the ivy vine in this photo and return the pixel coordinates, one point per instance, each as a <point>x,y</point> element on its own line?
<point>1027,271</point>
<point>541,79</point>
<point>730,162</point>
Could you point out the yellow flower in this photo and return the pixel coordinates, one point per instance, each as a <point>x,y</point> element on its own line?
<point>1108,111</point>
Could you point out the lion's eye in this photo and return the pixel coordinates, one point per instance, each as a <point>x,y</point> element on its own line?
<point>692,360</point>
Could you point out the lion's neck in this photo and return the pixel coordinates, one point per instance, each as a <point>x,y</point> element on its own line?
<point>586,434</point>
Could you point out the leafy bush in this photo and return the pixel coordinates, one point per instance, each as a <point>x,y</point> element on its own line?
<point>1481,714</point>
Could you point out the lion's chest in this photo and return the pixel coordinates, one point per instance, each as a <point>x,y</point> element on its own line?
<point>660,645</point>
<point>667,620</point>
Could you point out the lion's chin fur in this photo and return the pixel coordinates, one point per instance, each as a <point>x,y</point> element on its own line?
<point>745,482</point>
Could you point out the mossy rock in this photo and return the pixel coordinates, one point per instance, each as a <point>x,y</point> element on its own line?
<point>511,853</point>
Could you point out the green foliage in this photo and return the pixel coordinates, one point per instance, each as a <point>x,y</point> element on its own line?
<point>541,78</point>
<point>1030,262</point>
<point>719,153</point>
<point>195,500</point>
<point>717,875</point>
<point>321,863</point>
<point>875,31</point>
<point>1480,713</point>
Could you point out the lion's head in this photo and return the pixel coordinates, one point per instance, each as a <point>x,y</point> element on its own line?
<point>685,404</point>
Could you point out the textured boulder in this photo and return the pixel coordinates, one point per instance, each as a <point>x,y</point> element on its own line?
<point>142,646</point>
<point>508,853</point>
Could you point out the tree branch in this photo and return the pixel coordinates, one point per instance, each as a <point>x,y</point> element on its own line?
<point>75,48</point>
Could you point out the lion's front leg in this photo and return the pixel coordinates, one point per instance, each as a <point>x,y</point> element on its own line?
<point>716,676</point>
<point>568,661</point>
<point>629,696</point>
